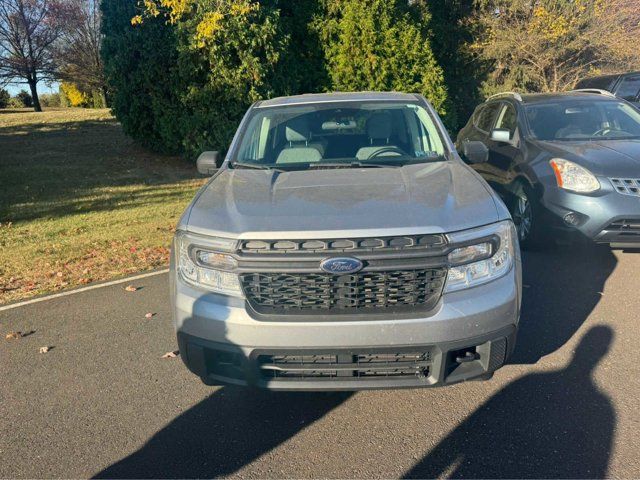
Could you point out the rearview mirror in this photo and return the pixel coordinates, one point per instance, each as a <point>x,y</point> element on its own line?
<point>475,152</point>
<point>500,135</point>
<point>208,163</point>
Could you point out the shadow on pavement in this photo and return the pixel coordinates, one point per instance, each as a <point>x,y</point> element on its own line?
<point>223,433</point>
<point>544,425</point>
<point>561,289</point>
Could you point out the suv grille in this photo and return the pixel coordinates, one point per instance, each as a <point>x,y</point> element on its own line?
<point>347,367</point>
<point>625,226</point>
<point>343,244</point>
<point>627,186</point>
<point>354,293</point>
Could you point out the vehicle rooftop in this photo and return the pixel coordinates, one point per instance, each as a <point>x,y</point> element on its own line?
<point>530,98</point>
<point>337,97</point>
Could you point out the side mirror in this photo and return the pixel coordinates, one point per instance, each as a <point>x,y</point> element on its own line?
<point>500,135</point>
<point>475,152</point>
<point>208,163</point>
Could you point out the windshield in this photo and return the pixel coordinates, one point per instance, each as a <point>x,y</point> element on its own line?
<point>583,120</point>
<point>335,135</point>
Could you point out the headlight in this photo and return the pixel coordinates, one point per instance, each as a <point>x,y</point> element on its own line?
<point>573,177</point>
<point>484,261</point>
<point>202,262</point>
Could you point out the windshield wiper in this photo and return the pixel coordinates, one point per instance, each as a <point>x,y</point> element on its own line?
<point>353,165</point>
<point>255,166</point>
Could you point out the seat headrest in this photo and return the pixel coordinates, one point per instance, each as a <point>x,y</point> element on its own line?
<point>298,130</point>
<point>379,126</point>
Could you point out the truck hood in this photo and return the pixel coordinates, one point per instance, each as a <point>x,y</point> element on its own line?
<point>608,158</point>
<point>424,198</point>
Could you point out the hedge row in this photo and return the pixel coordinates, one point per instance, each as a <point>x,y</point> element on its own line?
<point>180,79</point>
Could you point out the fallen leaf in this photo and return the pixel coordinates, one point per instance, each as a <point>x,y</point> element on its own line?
<point>149,315</point>
<point>13,335</point>
<point>44,349</point>
<point>130,288</point>
<point>173,354</point>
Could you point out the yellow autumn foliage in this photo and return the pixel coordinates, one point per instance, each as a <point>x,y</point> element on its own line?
<point>75,97</point>
<point>212,21</point>
<point>552,25</point>
<point>210,24</point>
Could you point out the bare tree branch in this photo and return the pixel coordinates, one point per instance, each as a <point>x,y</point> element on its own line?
<point>28,31</point>
<point>548,45</point>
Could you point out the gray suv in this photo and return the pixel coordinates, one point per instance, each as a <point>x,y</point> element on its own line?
<point>567,164</point>
<point>342,244</point>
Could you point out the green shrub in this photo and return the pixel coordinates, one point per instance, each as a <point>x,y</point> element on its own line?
<point>381,45</point>
<point>181,73</point>
<point>51,100</point>
<point>4,98</point>
<point>25,99</point>
<point>15,103</point>
<point>141,70</point>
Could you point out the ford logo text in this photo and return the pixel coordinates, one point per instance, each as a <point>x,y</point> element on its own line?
<point>341,265</point>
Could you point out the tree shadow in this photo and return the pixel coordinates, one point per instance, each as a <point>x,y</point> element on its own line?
<point>544,425</point>
<point>53,169</point>
<point>226,431</point>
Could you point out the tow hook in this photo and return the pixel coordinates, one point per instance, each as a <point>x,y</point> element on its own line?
<point>468,357</point>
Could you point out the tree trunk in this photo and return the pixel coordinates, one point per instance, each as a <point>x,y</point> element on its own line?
<point>103,95</point>
<point>34,96</point>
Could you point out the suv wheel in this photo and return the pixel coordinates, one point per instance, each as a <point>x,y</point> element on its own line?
<point>525,211</point>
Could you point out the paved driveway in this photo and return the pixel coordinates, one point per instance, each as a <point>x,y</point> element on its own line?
<point>103,403</point>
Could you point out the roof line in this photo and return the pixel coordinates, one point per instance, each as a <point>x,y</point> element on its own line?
<point>333,100</point>
<point>506,94</point>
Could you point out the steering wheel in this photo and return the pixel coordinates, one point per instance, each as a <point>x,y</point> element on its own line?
<point>390,149</point>
<point>601,132</point>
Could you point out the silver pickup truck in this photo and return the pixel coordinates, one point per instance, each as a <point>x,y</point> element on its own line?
<point>341,244</point>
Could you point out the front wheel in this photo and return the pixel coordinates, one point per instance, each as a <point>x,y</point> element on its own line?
<point>526,213</point>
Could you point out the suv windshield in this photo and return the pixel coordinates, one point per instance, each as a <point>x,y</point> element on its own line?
<point>583,120</point>
<point>334,135</point>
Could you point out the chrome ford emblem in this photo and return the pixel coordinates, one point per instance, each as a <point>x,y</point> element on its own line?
<point>341,265</point>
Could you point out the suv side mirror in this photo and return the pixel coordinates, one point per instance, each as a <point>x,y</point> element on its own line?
<point>208,163</point>
<point>501,135</point>
<point>475,152</point>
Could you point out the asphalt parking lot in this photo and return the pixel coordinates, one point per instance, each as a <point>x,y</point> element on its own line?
<point>102,402</point>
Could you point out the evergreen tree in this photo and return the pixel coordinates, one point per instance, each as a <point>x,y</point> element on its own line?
<point>140,63</point>
<point>381,45</point>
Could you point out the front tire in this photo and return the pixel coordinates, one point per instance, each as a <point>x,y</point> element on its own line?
<point>526,212</point>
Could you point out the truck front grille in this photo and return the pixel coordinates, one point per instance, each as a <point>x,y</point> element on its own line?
<point>345,366</point>
<point>291,293</point>
<point>627,186</point>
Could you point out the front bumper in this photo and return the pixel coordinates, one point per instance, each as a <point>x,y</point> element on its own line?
<point>223,344</point>
<point>605,217</point>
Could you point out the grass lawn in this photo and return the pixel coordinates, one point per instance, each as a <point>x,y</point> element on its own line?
<point>80,202</point>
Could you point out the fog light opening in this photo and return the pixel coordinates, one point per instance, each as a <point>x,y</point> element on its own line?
<point>572,219</point>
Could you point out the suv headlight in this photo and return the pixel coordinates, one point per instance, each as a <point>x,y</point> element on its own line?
<point>488,255</point>
<point>571,176</point>
<point>206,262</point>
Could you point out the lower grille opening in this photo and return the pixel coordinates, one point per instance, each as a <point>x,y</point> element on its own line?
<point>345,367</point>
<point>625,227</point>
